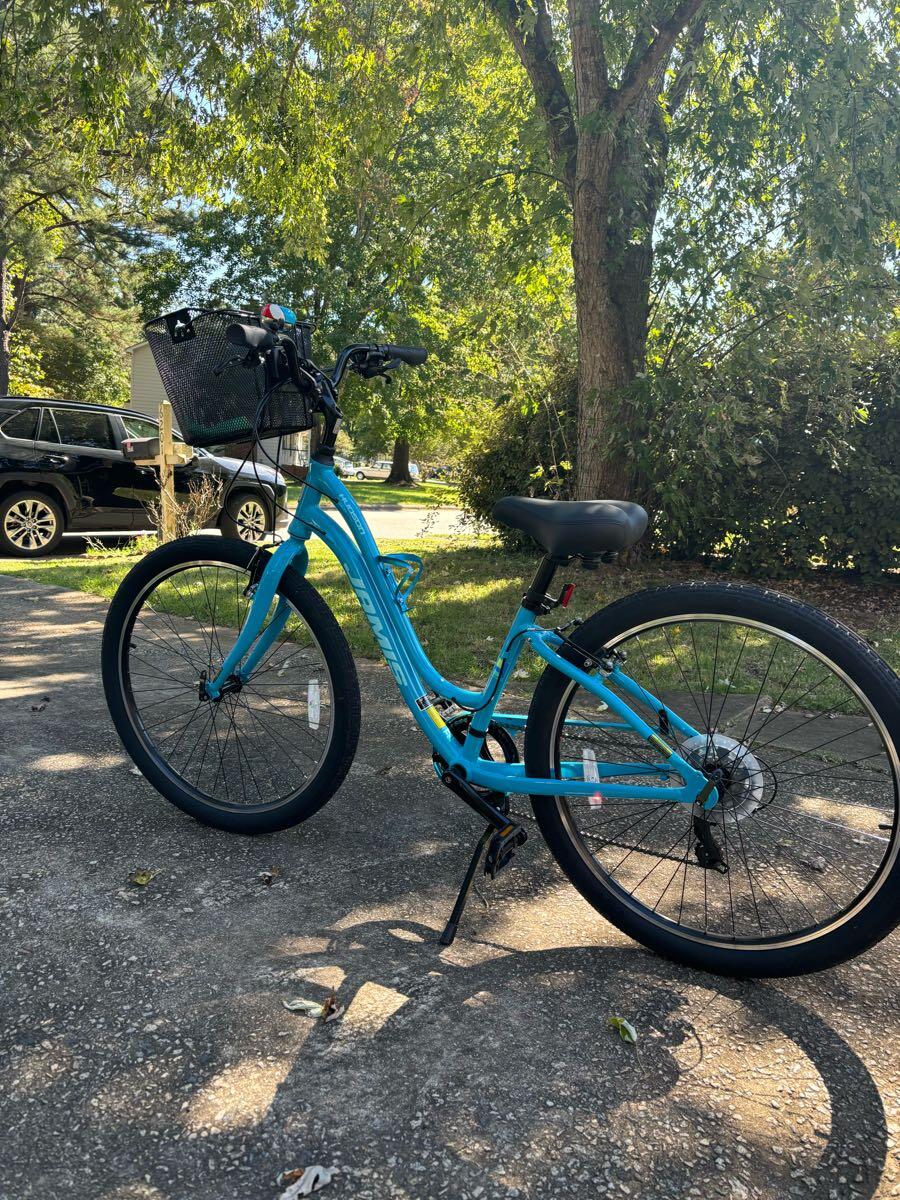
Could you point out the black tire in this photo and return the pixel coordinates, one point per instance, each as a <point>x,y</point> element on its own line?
<point>31,524</point>
<point>360,475</point>
<point>876,910</point>
<point>344,709</point>
<point>231,524</point>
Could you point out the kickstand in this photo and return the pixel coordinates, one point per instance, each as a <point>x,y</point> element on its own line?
<point>446,938</point>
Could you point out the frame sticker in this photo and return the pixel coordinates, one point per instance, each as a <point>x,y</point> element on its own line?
<point>426,705</point>
<point>657,741</point>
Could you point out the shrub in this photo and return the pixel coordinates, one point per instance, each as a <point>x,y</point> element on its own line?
<point>770,471</point>
<point>525,450</point>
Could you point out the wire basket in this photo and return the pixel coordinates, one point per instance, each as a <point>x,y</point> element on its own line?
<point>218,393</point>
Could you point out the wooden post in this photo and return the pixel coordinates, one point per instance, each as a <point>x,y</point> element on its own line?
<point>167,460</point>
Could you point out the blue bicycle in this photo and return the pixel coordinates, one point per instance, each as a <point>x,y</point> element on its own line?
<point>714,767</point>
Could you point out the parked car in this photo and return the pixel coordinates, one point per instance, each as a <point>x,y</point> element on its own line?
<point>380,469</point>
<point>62,470</point>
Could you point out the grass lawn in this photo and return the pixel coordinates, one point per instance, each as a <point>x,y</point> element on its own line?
<point>372,491</point>
<point>471,587</point>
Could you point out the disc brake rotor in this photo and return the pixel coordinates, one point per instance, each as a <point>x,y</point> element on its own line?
<point>743,781</point>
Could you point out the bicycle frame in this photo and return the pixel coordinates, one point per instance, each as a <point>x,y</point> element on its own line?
<point>423,687</point>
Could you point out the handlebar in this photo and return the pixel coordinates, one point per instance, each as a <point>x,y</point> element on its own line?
<point>413,356</point>
<point>257,337</point>
<point>280,350</point>
<point>254,337</point>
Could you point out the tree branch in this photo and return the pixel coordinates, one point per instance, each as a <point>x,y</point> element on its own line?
<point>640,71</point>
<point>537,54</point>
<point>685,72</point>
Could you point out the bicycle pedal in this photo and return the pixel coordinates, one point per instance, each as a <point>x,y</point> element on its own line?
<point>502,848</point>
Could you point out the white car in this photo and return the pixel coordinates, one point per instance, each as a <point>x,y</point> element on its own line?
<point>380,469</point>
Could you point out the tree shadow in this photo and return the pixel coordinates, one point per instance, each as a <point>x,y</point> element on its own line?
<point>516,1048</point>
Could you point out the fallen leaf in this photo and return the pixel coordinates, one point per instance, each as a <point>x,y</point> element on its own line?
<point>38,707</point>
<point>335,1014</point>
<point>310,1181</point>
<point>328,1010</point>
<point>625,1029</point>
<point>268,877</point>
<point>816,864</point>
<point>142,877</point>
<point>290,1176</point>
<point>135,771</point>
<point>312,1008</point>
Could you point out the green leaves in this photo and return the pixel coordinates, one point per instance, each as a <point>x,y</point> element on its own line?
<point>624,1029</point>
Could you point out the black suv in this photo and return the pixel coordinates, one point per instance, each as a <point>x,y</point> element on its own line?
<point>62,470</point>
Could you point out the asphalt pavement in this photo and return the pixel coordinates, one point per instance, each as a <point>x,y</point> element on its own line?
<point>146,1052</point>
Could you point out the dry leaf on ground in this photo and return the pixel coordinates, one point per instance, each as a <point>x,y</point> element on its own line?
<point>310,1181</point>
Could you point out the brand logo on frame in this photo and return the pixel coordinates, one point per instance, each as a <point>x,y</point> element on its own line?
<point>378,628</point>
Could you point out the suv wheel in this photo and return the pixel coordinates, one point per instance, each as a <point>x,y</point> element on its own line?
<point>31,524</point>
<point>247,516</point>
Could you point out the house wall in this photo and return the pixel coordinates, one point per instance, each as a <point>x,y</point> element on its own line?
<point>147,391</point>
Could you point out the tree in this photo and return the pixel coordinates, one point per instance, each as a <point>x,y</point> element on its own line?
<point>79,123</point>
<point>759,108</point>
<point>434,227</point>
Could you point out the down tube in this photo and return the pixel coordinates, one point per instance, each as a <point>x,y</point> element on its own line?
<point>360,575</point>
<point>401,625</point>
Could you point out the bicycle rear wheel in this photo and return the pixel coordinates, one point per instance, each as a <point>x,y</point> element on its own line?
<point>268,754</point>
<point>802,720</point>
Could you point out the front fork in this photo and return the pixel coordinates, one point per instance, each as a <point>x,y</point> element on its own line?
<point>257,635</point>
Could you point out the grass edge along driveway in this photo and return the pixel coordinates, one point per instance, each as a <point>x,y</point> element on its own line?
<point>472,585</point>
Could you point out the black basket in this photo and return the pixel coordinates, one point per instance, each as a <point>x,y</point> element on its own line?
<point>218,393</point>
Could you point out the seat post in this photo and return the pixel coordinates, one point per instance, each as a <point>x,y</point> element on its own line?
<point>535,599</point>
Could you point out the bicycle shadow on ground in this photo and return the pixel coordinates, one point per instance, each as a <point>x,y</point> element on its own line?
<point>505,1074</point>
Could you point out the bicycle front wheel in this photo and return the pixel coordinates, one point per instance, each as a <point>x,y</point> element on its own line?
<point>270,752</point>
<point>796,867</point>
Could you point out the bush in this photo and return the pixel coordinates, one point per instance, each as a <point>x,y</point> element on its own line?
<point>771,472</point>
<point>525,450</point>
<point>795,469</point>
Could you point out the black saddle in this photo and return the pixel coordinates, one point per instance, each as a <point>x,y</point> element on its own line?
<point>574,528</point>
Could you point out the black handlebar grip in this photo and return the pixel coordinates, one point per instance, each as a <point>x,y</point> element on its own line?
<point>413,356</point>
<point>254,337</point>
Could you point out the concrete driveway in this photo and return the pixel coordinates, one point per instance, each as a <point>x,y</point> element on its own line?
<point>145,1052</point>
<point>386,522</point>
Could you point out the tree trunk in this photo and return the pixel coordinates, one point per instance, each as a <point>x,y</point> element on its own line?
<point>5,357</point>
<point>5,332</point>
<point>603,365</point>
<point>602,371</point>
<point>400,464</point>
<point>612,252</point>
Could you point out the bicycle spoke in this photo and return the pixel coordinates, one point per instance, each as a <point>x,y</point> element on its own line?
<point>249,747</point>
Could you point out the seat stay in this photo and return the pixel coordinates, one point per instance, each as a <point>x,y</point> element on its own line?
<point>545,643</point>
<point>621,680</point>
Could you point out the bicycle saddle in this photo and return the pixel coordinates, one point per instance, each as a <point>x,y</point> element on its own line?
<point>570,528</point>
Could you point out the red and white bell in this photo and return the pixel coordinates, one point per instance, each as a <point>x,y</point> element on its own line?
<point>272,312</point>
